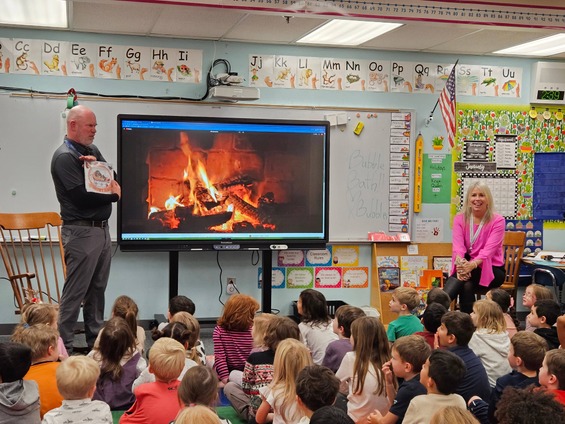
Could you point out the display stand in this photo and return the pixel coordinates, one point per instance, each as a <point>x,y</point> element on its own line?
<point>266,290</point>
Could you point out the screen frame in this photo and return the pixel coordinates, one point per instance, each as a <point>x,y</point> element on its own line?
<point>226,241</point>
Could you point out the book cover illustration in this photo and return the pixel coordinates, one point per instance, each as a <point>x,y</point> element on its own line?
<point>98,177</point>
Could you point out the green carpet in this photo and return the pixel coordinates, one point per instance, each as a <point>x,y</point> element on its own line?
<point>224,412</point>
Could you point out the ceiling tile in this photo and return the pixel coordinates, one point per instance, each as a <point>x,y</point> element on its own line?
<point>262,28</point>
<point>117,18</point>
<point>196,22</point>
<point>487,41</point>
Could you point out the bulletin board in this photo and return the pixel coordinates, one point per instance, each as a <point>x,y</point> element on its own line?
<point>500,145</point>
<point>370,168</point>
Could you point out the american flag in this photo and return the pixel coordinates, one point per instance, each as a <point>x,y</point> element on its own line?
<point>447,106</point>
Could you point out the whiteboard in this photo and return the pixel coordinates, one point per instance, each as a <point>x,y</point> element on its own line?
<point>32,128</point>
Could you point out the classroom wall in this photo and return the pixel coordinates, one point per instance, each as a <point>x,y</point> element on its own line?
<point>144,276</point>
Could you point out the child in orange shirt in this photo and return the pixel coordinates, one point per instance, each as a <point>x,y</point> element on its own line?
<point>42,339</point>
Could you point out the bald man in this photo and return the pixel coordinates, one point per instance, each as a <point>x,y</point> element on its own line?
<point>85,233</point>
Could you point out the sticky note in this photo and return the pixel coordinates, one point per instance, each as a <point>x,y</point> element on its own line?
<point>359,128</point>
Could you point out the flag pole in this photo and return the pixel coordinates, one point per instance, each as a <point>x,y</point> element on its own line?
<point>429,120</point>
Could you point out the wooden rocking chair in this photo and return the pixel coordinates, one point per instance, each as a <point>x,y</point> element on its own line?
<point>32,251</point>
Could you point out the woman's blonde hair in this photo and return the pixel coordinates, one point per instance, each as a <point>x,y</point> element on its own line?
<point>371,346</point>
<point>489,316</point>
<point>291,357</point>
<point>238,312</point>
<point>193,326</point>
<point>197,414</point>
<point>76,376</point>
<point>37,313</point>
<point>260,325</point>
<point>453,415</point>
<point>482,188</point>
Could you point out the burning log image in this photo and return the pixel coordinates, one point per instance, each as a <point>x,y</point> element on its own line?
<point>221,188</point>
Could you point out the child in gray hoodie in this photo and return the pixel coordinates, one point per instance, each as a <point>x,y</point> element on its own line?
<point>19,399</point>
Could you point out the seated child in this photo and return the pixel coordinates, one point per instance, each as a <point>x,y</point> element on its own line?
<point>232,335</point>
<point>316,387</point>
<point>452,415</point>
<point>542,318</point>
<point>528,406</point>
<point>19,399</point>
<point>404,300</point>
<point>178,304</point>
<point>336,350</point>
<point>441,375</point>
<point>157,402</point>
<point>409,354</point>
<point>316,325</point>
<point>126,308</point>
<point>76,381</point>
<point>199,386</point>
<point>552,373</point>
<point>259,369</point>
<point>42,313</point>
<point>431,319</point>
<point>525,356</point>
<point>330,414</point>
<point>197,353</point>
<point>197,414</point>
<point>120,364</point>
<point>176,331</point>
<point>504,300</point>
<point>437,295</point>
<point>490,340</point>
<point>43,341</point>
<point>532,294</point>
<point>454,333</point>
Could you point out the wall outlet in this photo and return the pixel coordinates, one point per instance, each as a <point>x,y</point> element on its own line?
<point>230,286</point>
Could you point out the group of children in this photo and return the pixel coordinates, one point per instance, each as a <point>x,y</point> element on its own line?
<point>348,369</point>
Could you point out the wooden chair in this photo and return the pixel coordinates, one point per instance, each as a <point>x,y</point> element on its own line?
<point>32,251</point>
<point>513,245</point>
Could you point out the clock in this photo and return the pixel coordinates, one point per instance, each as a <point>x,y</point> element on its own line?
<point>550,95</point>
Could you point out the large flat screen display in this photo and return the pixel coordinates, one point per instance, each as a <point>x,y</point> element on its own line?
<point>222,183</point>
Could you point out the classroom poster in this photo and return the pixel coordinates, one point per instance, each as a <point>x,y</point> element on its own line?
<point>327,277</point>
<point>188,66</point>
<point>291,258</point>
<point>429,230</point>
<point>355,278</point>
<point>437,173</point>
<point>277,278</point>
<point>136,63</point>
<point>5,55</point>
<point>82,59</point>
<point>162,62</point>
<point>54,57</point>
<point>299,278</point>
<point>109,61</point>
<point>345,255</point>
<point>27,56</point>
<point>319,257</point>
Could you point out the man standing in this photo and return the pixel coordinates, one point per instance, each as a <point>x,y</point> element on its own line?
<point>85,234</point>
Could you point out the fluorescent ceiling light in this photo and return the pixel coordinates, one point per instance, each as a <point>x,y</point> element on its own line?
<point>543,47</point>
<point>343,32</point>
<point>42,13</point>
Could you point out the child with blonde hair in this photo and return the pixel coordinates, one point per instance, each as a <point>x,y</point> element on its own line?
<point>76,381</point>
<point>232,335</point>
<point>259,368</point>
<point>490,341</point>
<point>126,308</point>
<point>120,364</point>
<point>451,415</point>
<point>316,324</point>
<point>505,301</point>
<point>291,356</point>
<point>42,340</point>
<point>260,324</point>
<point>41,313</point>
<point>176,331</point>
<point>197,414</point>
<point>157,402</point>
<point>361,369</point>
<point>532,294</point>
<point>197,353</point>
